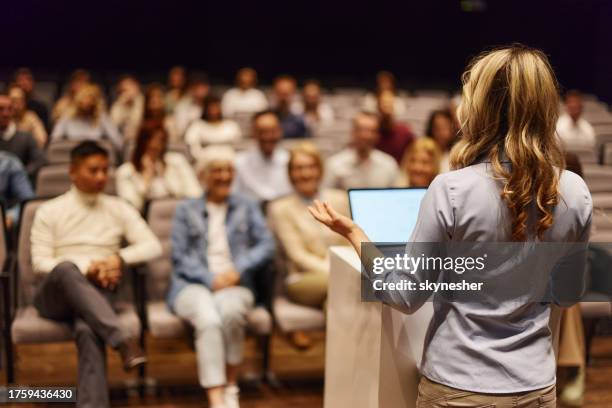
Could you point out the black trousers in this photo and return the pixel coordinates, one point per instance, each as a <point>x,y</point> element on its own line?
<point>67,295</point>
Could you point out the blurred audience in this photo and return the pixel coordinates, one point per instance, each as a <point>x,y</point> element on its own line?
<point>385,82</point>
<point>285,106</point>
<point>190,107</point>
<point>127,110</point>
<point>441,128</point>
<point>21,144</point>
<point>75,244</point>
<point>15,187</point>
<point>395,136</point>
<point>361,165</point>
<point>261,170</point>
<point>219,243</point>
<point>155,112</point>
<point>244,97</point>
<point>573,130</point>
<point>87,119</point>
<point>420,164</point>
<point>24,79</point>
<point>26,120</point>
<point>177,86</point>
<point>65,104</point>
<point>211,128</point>
<point>315,111</point>
<point>304,241</point>
<point>153,172</point>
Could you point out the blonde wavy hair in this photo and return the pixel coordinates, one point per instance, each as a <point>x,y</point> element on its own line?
<point>509,110</point>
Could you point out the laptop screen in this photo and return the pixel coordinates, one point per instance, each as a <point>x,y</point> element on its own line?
<point>386,215</point>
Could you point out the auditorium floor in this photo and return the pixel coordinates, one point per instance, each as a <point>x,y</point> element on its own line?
<point>172,364</point>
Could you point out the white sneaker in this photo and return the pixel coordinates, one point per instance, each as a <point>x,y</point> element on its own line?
<point>232,394</point>
<point>573,393</point>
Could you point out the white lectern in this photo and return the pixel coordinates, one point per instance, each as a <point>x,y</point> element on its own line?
<point>372,350</point>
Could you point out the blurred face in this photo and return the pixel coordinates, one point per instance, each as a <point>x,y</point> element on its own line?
<point>218,179</point>
<point>18,100</point>
<point>129,87</point>
<point>214,112</point>
<point>267,131</point>
<point>25,82</point>
<point>312,94</point>
<point>90,174</point>
<point>86,103</point>
<point>442,131</point>
<point>365,133</point>
<point>305,174</point>
<point>284,90</point>
<point>78,82</point>
<point>573,106</point>
<point>156,145</point>
<point>199,91</point>
<point>385,83</point>
<point>155,102</point>
<point>421,169</point>
<point>6,111</point>
<point>177,78</point>
<point>386,103</point>
<point>246,78</point>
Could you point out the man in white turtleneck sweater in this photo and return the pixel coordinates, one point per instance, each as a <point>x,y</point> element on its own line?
<point>76,243</point>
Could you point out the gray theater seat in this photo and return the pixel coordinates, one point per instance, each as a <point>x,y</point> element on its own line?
<point>54,180</point>
<point>58,151</point>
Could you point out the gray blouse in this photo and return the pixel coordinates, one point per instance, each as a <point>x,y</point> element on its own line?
<point>491,347</point>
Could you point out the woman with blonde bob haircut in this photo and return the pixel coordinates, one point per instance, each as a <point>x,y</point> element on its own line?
<point>508,185</point>
<point>420,164</point>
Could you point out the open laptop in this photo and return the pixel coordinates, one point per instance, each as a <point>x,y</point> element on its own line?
<point>386,214</point>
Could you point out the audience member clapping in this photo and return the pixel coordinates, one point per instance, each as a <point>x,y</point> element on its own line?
<point>573,130</point>
<point>177,87</point>
<point>261,170</point>
<point>287,108</point>
<point>441,128</point>
<point>395,136</point>
<point>87,119</point>
<point>127,109</point>
<point>21,144</point>
<point>303,240</point>
<point>211,128</point>
<point>190,107</point>
<point>219,243</point>
<point>244,97</point>
<point>153,172</point>
<point>65,104</point>
<point>420,164</point>
<point>24,79</point>
<point>15,186</point>
<point>75,244</point>
<point>26,120</point>
<point>361,165</point>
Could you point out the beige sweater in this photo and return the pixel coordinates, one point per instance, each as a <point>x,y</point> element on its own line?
<point>80,228</point>
<point>304,241</point>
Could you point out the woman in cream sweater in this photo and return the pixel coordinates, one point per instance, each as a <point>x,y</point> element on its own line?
<point>153,172</point>
<point>303,241</point>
